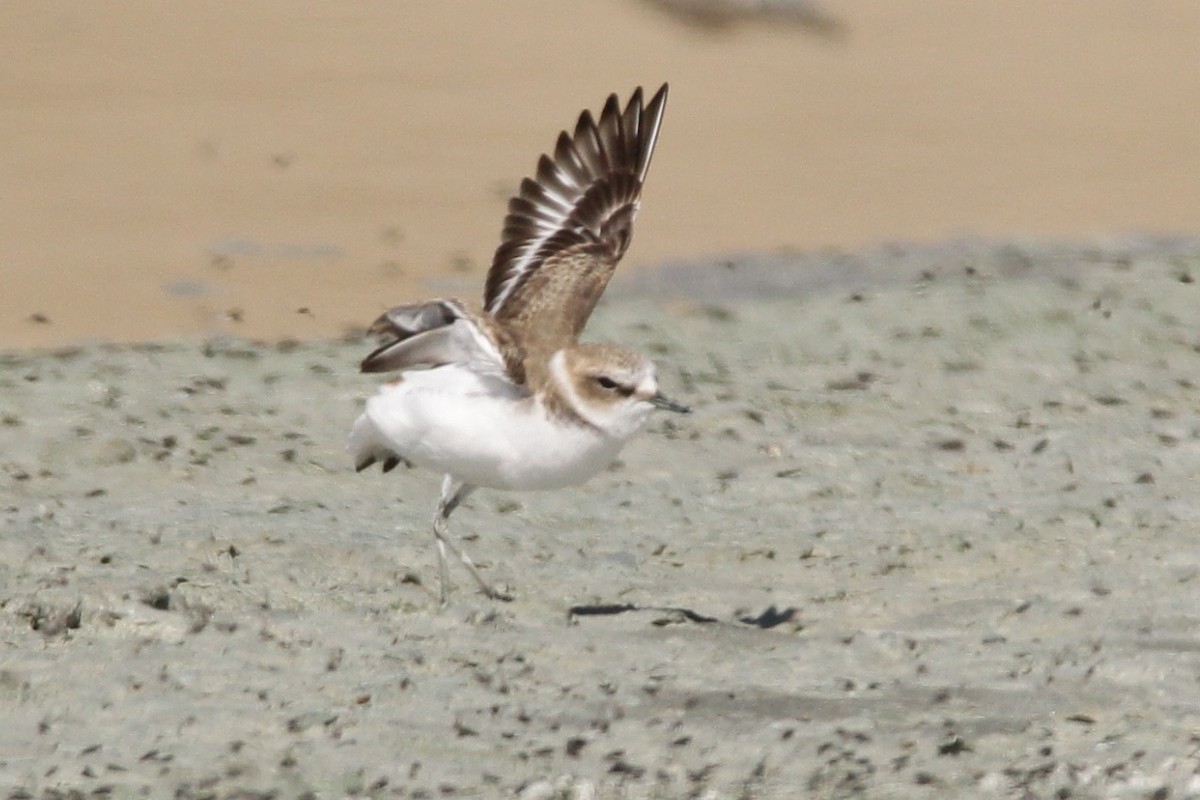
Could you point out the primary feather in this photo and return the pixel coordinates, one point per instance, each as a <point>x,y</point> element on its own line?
<point>569,226</point>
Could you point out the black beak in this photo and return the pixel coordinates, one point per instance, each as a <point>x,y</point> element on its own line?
<point>660,400</point>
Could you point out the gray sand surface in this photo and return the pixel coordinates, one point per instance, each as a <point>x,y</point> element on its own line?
<point>940,505</point>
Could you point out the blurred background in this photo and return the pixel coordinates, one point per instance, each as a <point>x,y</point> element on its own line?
<point>288,170</point>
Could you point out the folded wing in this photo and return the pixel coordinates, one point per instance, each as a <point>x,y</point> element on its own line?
<point>442,332</point>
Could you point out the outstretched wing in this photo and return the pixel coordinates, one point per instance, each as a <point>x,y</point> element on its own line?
<point>443,332</point>
<point>568,227</point>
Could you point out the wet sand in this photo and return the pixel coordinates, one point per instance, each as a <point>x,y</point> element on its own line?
<point>929,533</point>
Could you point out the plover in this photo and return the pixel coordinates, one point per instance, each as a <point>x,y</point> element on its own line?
<point>508,397</point>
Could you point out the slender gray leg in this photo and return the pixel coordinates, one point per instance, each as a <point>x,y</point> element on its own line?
<point>451,497</point>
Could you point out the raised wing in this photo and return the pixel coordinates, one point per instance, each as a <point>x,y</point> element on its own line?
<point>569,226</point>
<point>443,332</point>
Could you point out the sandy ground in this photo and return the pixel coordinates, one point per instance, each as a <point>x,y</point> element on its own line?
<point>930,532</point>
<point>936,505</point>
<point>218,166</point>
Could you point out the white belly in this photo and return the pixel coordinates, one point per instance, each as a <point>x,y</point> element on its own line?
<point>481,431</point>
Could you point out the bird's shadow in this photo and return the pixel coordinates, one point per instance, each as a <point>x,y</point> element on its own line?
<point>769,618</point>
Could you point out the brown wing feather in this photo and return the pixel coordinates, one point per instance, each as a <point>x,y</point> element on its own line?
<point>556,300</point>
<point>569,226</point>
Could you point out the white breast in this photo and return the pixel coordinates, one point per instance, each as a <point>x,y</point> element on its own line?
<point>482,430</point>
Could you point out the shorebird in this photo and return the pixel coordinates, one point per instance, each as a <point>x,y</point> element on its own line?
<point>508,397</point>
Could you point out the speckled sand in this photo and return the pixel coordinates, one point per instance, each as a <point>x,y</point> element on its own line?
<point>941,504</point>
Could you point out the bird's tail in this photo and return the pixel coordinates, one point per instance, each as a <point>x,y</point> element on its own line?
<point>364,447</point>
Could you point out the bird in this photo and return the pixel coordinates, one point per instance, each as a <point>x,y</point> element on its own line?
<point>506,396</point>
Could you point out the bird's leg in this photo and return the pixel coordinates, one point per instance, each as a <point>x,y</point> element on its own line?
<point>451,497</point>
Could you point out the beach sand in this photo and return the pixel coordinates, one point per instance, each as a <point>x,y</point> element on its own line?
<point>930,532</point>
<point>268,170</point>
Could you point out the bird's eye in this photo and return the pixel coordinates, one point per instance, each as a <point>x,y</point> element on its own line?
<point>609,385</point>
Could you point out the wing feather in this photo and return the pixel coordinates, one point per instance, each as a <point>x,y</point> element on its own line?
<point>569,225</point>
<point>443,332</point>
